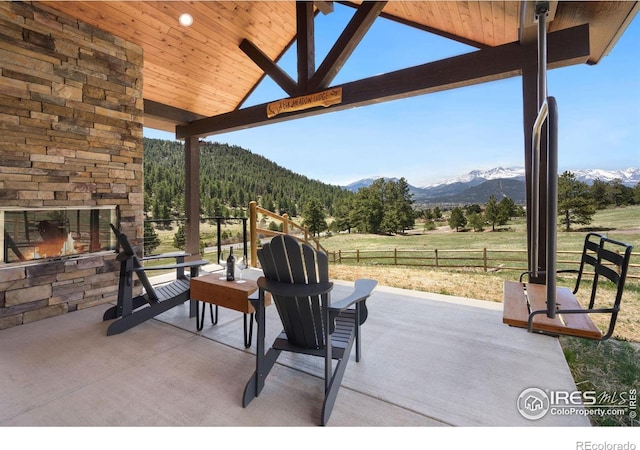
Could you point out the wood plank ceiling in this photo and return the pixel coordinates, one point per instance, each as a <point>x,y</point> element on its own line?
<point>203,70</point>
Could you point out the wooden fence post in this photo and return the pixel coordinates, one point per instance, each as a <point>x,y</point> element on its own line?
<point>484,258</point>
<point>436,251</point>
<point>395,256</point>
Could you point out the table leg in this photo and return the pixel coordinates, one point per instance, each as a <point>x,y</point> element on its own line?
<point>200,318</point>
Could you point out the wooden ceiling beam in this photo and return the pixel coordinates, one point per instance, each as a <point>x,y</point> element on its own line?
<point>269,67</point>
<point>565,47</point>
<point>353,33</point>
<point>305,44</point>
<point>423,27</point>
<point>169,113</point>
<point>325,7</point>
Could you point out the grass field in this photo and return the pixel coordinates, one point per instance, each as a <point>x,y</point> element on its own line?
<point>611,366</point>
<point>607,367</point>
<point>621,224</point>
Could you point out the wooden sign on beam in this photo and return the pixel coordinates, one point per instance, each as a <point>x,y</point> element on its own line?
<point>326,98</point>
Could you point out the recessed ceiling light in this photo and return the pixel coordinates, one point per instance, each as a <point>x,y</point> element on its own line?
<point>185,19</point>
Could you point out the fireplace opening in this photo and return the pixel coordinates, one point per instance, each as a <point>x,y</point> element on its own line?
<point>38,233</point>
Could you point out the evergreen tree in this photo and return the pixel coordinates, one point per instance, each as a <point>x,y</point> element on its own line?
<point>179,238</point>
<point>599,193</point>
<point>156,213</point>
<point>475,208</point>
<point>405,209</point>
<point>428,215</point>
<point>391,202</point>
<point>151,238</point>
<point>507,209</point>
<point>342,221</point>
<point>476,221</point>
<point>457,219</point>
<point>366,214</point>
<point>314,218</point>
<point>498,214</point>
<point>574,204</point>
<point>492,213</point>
<point>620,194</point>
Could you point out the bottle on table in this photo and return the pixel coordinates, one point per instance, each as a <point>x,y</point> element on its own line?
<point>231,266</point>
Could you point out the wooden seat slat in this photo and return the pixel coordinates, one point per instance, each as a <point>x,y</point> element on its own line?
<point>526,303</point>
<point>516,311</point>
<point>573,324</point>
<point>580,323</point>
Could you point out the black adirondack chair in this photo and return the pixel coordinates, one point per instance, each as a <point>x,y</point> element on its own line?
<point>297,276</point>
<point>135,310</point>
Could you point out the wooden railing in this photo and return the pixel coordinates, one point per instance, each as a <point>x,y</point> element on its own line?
<point>288,227</point>
<point>485,259</point>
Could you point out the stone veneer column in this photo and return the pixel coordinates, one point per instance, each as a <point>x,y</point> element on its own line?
<point>71,114</point>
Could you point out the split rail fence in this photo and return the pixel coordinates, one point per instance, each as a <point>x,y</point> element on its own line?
<point>485,259</point>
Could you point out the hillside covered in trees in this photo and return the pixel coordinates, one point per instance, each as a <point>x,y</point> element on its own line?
<point>230,177</point>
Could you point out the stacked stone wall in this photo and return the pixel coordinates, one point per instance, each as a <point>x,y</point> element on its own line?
<point>71,114</point>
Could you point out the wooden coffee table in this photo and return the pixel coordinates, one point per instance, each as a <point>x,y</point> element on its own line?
<point>214,289</point>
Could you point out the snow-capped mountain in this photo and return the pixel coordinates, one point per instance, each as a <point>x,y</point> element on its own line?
<point>629,177</point>
<point>477,185</point>
<point>479,176</point>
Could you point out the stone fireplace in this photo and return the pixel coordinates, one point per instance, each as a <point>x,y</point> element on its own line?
<point>71,114</point>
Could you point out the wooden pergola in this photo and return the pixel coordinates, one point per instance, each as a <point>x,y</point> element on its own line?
<point>197,78</point>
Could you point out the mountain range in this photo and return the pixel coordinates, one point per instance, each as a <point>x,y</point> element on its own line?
<point>478,185</point>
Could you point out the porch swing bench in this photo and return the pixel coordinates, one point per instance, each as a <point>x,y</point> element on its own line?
<point>551,309</point>
<point>526,305</point>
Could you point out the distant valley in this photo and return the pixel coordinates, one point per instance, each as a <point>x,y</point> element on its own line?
<point>478,185</point>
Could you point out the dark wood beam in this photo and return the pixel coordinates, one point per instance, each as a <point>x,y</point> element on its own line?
<point>566,47</point>
<point>355,30</point>
<point>192,196</point>
<point>269,67</point>
<point>422,27</point>
<point>325,7</point>
<point>169,113</point>
<point>305,44</point>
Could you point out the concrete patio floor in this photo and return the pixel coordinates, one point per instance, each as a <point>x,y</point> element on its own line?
<point>428,360</point>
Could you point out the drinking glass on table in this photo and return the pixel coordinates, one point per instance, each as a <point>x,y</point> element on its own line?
<point>223,264</point>
<point>241,264</point>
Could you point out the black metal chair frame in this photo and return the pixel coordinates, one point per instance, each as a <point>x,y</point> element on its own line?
<point>609,259</point>
<point>313,323</point>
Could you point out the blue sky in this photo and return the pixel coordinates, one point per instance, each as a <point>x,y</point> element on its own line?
<point>433,137</point>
